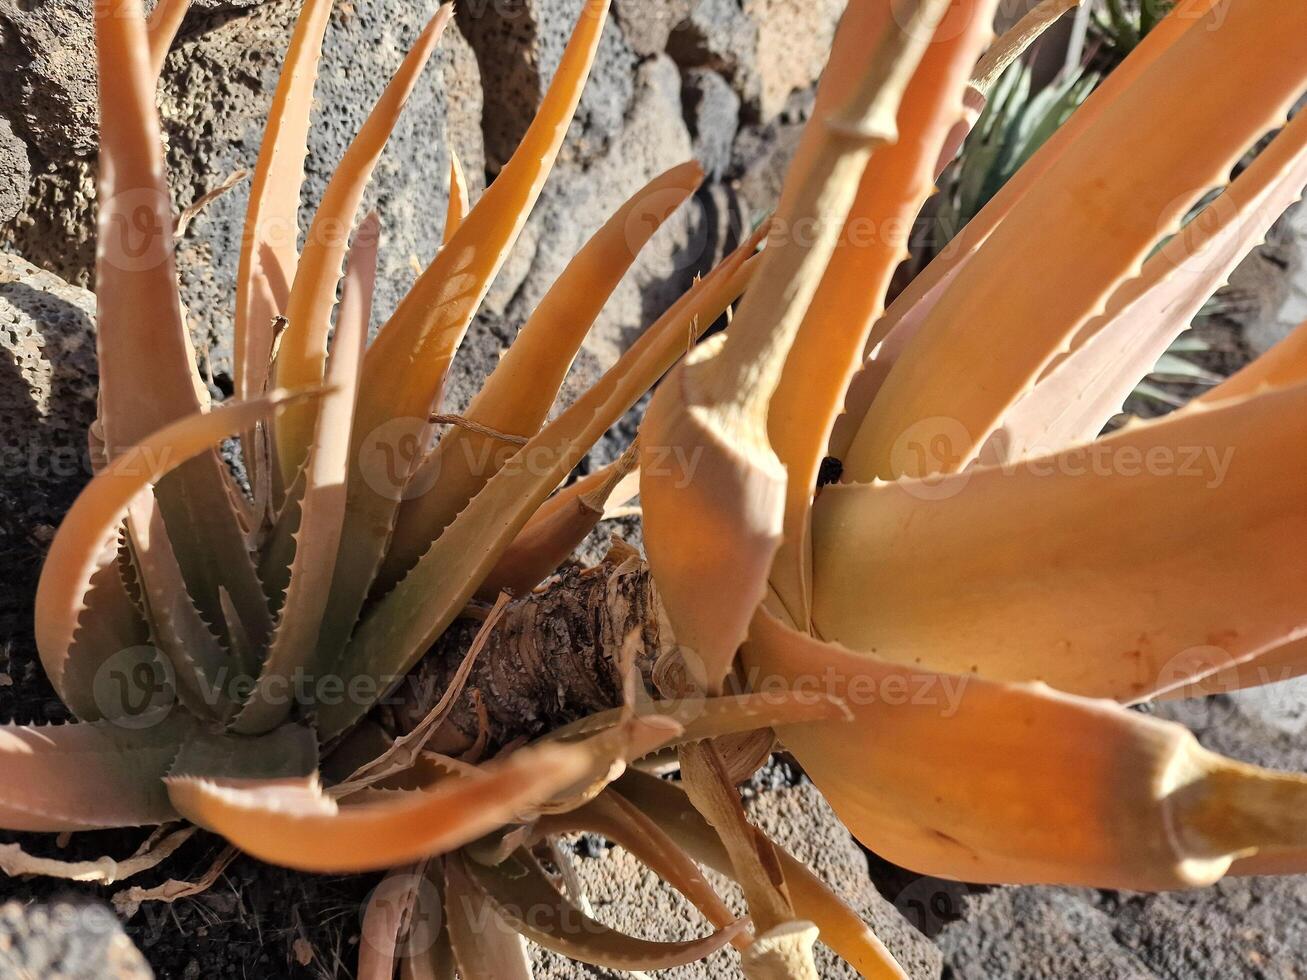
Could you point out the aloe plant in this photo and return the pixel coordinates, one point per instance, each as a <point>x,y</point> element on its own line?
<point>223,650</point>
<point>981,536</point>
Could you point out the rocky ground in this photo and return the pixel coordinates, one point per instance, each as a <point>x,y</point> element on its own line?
<point>727,81</point>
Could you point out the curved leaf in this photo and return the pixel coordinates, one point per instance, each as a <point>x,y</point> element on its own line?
<point>1107,199</point>
<point>1076,397</point>
<point>1019,783</point>
<point>841,928</point>
<point>828,347</point>
<point>1098,571</point>
<point>292,823</point>
<point>87,776</point>
<point>268,247</point>
<point>91,524</point>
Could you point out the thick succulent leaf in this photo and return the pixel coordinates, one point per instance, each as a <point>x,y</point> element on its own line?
<point>1095,570</point>
<point>161,28</point>
<point>841,928</point>
<point>302,352</point>
<point>135,272</point>
<point>278,546</point>
<point>404,371</point>
<point>556,530</point>
<point>484,945</point>
<point>927,287</point>
<point>828,347</point>
<point>517,395</point>
<point>1078,233</point>
<point>1074,400</point>
<point>91,524</point>
<point>269,250</point>
<point>403,625</point>
<point>87,776</point>
<point>721,519</point>
<point>992,782</point>
<point>291,822</point>
<point>521,893</point>
<point>322,507</point>
<point>201,666</point>
<point>460,202</point>
<point>134,262</point>
<point>109,623</point>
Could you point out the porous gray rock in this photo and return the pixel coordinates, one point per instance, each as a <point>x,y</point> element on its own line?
<point>647,25</point>
<point>15,172</point>
<point>718,35</point>
<point>1268,290</point>
<point>67,940</point>
<point>712,113</point>
<point>47,393</point>
<point>768,49</point>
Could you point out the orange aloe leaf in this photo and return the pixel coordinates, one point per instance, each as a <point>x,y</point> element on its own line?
<point>841,928</point>
<point>460,202</point>
<point>484,945</point>
<point>291,822</point>
<point>926,288</point>
<point>403,625</point>
<point>616,818</point>
<point>161,29</point>
<point>551,535</point>
<point>720,518</point>
<point>302,353</point>
<point>517,395</point>
<point>527,901</point>
<point>1018,783</point>
<point>87,776</point>
<point>1101,206</point>
<point>91,524</point>
<point>404,371</point>
<point>1076,397</point>
<point>828,347</point>
<point>322,506</point>
<point>140,328</point>
<point>1093,570</point>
